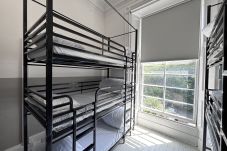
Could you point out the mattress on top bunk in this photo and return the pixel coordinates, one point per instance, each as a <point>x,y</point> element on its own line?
<point>106,137</point>
<point>78,100</point>
<point>73,53</point>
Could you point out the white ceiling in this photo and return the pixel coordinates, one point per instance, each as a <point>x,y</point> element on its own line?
<point>101,4</point>
<point>156,6</point>
<point>147,8</point>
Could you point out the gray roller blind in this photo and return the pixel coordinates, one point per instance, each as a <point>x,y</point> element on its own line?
<point>172,34</point>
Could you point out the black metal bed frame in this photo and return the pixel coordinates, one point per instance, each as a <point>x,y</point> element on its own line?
<point>215,110</point>
<point>45,25</point>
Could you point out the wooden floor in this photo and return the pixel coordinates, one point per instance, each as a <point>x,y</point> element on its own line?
<point>146,140</point>
<point>143,139</point>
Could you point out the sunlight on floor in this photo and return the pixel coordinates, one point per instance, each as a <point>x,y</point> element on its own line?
<point>146,140</point>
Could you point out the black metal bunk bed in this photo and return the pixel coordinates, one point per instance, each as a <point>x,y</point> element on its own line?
<point>44,46</point>
<point>215,130</point>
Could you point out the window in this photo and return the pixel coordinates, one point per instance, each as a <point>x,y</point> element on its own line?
<point>169,89</point>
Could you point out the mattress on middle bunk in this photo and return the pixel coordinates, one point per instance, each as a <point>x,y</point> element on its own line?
<point>106,57</point>
<point>83,99</point>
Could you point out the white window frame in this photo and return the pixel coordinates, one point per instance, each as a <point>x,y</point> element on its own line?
<point>166,114</point>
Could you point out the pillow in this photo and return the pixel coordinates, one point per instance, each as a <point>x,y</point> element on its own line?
<point>115,119</point>
<point>208,29</point>
<point>115,84</point>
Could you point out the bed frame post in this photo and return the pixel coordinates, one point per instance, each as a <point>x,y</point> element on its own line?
<point>134,73</point>
<point>49,55</point>
<point>25,76</point>
<point>206,88</point>
<point>108,69</point>
<point>126,74</point>
<point>74,129</point>
<point>95,119</point>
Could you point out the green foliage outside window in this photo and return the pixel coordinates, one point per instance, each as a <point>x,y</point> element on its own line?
<point>153,103</point>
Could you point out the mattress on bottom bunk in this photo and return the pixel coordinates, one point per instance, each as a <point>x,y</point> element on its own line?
<point>78,100</point>
<point>108,58</point>
<point>106,137</point>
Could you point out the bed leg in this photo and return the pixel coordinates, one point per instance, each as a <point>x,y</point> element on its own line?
<point>74,131</point>
<point>25,130</point>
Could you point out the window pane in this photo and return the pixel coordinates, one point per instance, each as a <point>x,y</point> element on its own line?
<point>153,103</point>
<point>180,67</point>
<point>179,109</point>
<point>186,96</point>
<point>154,79</point>
<point>154,68</point>
<point>180,81</point>
<point>153,91</point>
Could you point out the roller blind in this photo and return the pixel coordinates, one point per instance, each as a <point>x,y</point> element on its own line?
<point>172,34</point>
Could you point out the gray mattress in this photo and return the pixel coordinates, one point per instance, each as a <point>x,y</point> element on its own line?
<point>41,53</point>
<point>106,137</point>
<point>78,100</point>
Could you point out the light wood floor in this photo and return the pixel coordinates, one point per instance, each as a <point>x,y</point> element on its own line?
<point>146,140</point>
<point>143,139</point>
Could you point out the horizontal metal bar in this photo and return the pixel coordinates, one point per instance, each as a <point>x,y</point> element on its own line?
<point>62,113</point>
<point>71,66</point>
<point>123,34</point>
<point>36,114</point>
<point>85,122</point>
<point>89,81</point>
<point>85,36</point>
<point>36,48</point>
<point>84,133</point>
<point>76,90</point>
<point>61,105</point>
<point>89,147</point>
<point>36,93</point>
<point>77,24</point>
<point>36,101</point>
<point>109,110</point>
<point>63,121</point>
<point>36,41</point>
<point>87,44</point>
<point>86,51</point>
<point>35,33</point>
<point>40,20</point>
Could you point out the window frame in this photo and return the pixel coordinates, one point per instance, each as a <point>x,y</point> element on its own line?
<point>164,113</point>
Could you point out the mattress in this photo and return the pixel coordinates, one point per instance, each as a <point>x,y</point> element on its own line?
<point>106,137</point>
<point>108,58</point>
<point>78,100</point>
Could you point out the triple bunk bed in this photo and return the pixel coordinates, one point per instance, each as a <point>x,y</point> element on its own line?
<point>75,112</point>
<point>215,107</point>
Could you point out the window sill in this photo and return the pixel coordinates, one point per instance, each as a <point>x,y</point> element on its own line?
<point>185,133</point>
<point>169,118</point>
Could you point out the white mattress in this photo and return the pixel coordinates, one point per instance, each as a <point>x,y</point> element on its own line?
<point>69,52</point>
<point>78,100</point>
<point>106,137</point>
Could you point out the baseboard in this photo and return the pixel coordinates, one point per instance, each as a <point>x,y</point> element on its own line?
<point>32,139</point>
<point>18,147</point>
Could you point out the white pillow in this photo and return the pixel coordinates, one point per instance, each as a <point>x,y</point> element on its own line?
<point>115,84</point>
<point>115,119</point>
<point>208,29</point>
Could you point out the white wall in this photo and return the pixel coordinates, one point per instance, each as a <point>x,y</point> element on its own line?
<point>11,57</point>
<point>11,31</point>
